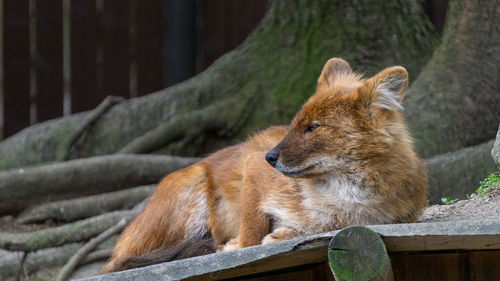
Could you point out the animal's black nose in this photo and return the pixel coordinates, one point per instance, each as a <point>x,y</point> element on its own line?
<point>272,157</point>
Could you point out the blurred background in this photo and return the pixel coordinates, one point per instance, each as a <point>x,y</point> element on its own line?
<point>60,57</point>
<point>65,181</point>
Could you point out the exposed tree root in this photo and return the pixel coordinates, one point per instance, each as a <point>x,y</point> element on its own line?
<point>21,266</point>
<point>57,236</point>
<point>107,103</point>
<point>75,260</point>
<point>82,253</point>
<point>458,173</point>
<point>181,126</point>
<point>97,255</point>
<point>47,258</point>
<point>21,188</point>
<point>85,207</point>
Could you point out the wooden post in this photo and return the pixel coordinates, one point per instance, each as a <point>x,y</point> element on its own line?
<point>16,66</point>
<point>49,59</point>
<point>358,253</point>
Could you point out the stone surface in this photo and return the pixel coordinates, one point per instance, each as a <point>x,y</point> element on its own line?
<point>495,152</point>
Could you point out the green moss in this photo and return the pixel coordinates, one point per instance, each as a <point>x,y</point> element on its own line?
<point>454,103</point>
<point>278,63</point>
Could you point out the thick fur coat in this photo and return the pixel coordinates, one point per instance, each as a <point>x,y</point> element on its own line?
<point>346,158</point>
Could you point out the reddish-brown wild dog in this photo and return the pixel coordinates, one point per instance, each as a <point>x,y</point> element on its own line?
<point>347,158</point>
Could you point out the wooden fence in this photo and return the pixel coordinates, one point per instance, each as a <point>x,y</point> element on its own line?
<point>65,56</point>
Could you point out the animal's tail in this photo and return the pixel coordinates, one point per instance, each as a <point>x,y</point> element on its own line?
<point>180,250</point>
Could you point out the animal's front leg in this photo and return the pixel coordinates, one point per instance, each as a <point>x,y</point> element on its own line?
<point>254,224</point>
<point>280,234</point>
<point>230,245</point>
<point>253,227</point>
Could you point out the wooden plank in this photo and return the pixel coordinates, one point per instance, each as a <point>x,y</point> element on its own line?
<point>442,242</point>
<point>485,265</point>
<point>16,58</point>
<point>316,272</point>
<point>83,47</point>
<point>313,249</point>
<point>429,267</point>
<point>49,60</point>
<point>323,272</point>
<point>148,50</point>
<point>475,265</point>
<point>440,236</point>
<point>297,275</point>
<point>115,40</point>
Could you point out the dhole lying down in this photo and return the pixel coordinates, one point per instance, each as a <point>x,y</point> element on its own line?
<point>346,158</point>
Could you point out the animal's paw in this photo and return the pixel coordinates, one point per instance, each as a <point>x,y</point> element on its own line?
<point>280,234</point>
<point>232,244</point>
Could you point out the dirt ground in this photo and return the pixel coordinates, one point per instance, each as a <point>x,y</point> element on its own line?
<point>476,208</point>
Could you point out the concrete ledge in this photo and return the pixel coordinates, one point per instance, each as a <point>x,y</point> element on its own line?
<point>437,236</point>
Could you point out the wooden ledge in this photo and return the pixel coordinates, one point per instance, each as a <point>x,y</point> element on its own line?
<point>436,236</point>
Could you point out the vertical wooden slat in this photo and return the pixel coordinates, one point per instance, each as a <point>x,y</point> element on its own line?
<point>322,272</point>
<point>48,61</point>
<point>114,36</point>
<point>214,25</point>
<point>233,23</point>
<point>250,14</point>
<point>179,40</point>
<point>83,47</point>
<point>485,265</point>
<point>149,58</point>
<point>422,266</point>
<point>16,55</point>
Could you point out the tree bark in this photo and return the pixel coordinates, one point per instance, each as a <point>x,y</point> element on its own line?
<point>76,259</point>
<point>22,187</point>
<point>68,233</point>
<point>456,174</point>
<point>47,258</point>
<point>262,82</point>
<point>455,101</point>
<point>80,208</point>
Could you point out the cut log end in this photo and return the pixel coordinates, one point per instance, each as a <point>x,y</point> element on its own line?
<point>358,253</point>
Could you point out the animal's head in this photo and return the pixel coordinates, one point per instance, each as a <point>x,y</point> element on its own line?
<point>349,119</point>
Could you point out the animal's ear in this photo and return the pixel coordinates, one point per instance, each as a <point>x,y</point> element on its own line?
<point>333,68</point>
<point>388,87</point>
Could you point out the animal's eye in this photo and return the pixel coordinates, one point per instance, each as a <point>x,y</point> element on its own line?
<point>311,128</point>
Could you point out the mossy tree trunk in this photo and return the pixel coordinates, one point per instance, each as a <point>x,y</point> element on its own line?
<point>263,82</point>
<point>455,101</point>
